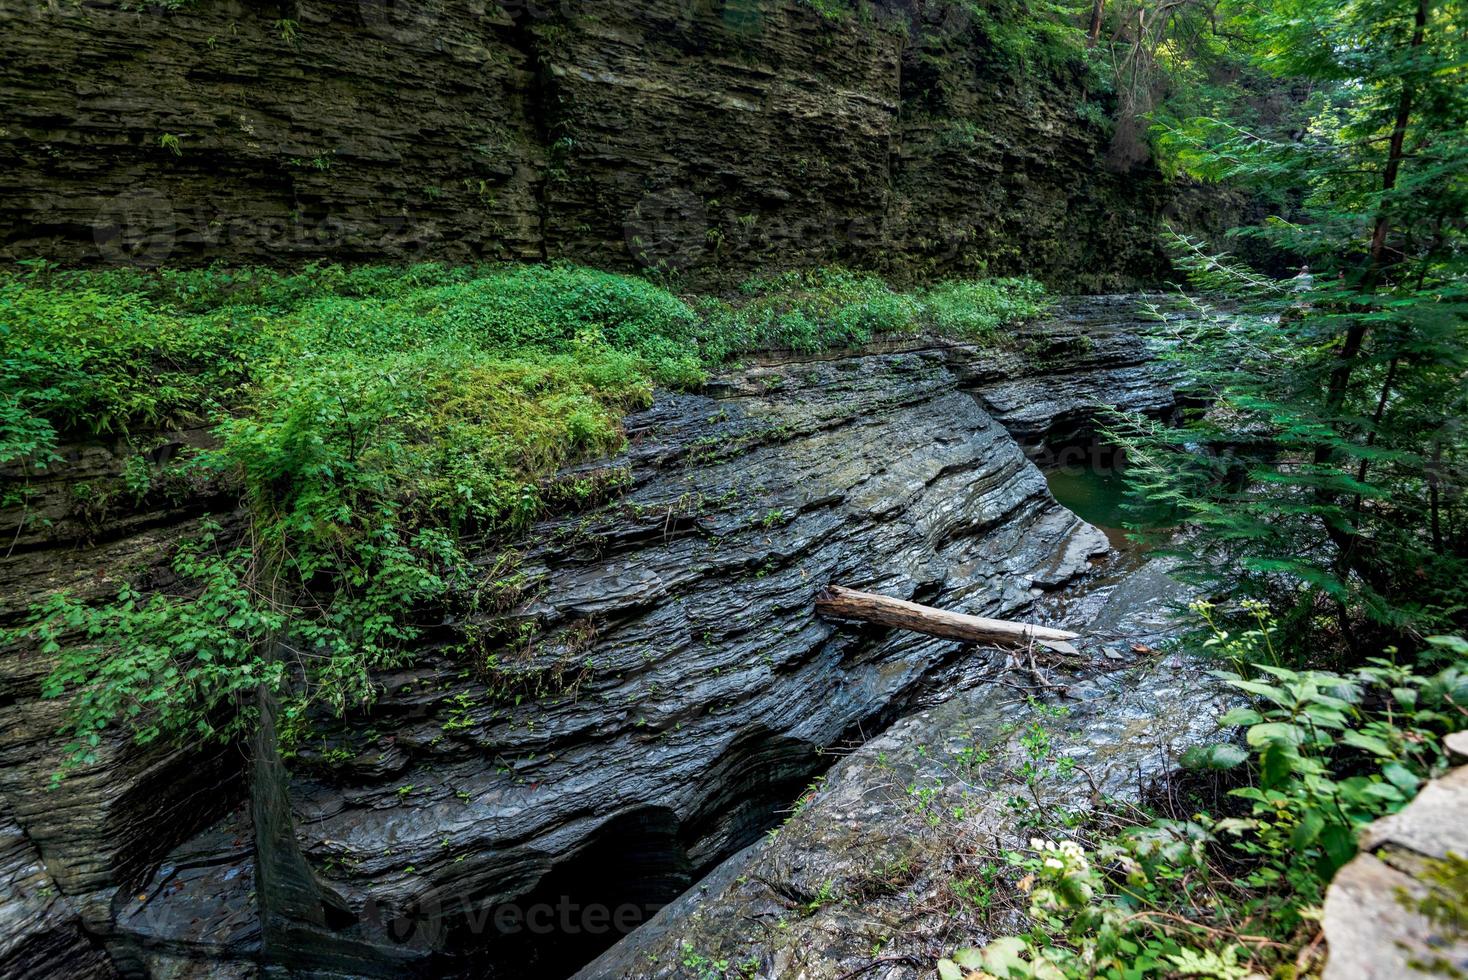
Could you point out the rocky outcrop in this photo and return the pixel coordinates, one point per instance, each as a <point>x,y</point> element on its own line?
<point>1398,909</point>
<point>708,138</point>
<point>99,833</point>
<point>892,860</point>
<point>651,692</point>
<point>1047,383</point>
<point>678,688</point>
<point>41,934</point>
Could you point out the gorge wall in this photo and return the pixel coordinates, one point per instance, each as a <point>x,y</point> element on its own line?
<point>671,689</point>
<point>709,137</point>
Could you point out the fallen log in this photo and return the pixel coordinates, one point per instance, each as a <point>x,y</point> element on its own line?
<point>844,603</point>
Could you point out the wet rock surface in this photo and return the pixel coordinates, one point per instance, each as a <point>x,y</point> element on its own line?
<point>1055,373</point>
<point>662,689</point>
<point>41,935</point>
<point>688,688</point>
<point>100,832</point>
<point>888,862</point>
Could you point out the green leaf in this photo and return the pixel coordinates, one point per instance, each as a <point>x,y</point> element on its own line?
<point>969,958</point>
<point>1005,955</point>
<point>1456,645</point>
<point>1338,845</point>
<point>948,970</point>
<point>1307,830</point>
<point>1220,756</point>
<point>1384,791</point>
<point>1276,763</point>
<point>1263,690</point>
<point>1240,717</point>
<point>1401,777</point>
<point>1324,717</point>
<point>1329,701</point>
<point>1370,743</point>
<point>1271,732</point>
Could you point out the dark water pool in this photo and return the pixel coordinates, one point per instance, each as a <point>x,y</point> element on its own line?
<point>1097,494</point>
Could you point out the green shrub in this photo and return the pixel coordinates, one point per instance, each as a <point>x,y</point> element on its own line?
<point>806,310</point>
<point>88,360</point>
<point>975,309</point>
<point>1321,755</point>
<point>816,309</point>
<point>370,418</point>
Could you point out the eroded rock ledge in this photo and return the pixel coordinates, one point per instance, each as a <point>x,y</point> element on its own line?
<point>889,862</point>
<point>673,693</point>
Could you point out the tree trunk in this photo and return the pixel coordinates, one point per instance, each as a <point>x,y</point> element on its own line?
<point>1094,34</point>
<point>1434,496</point>
<point>846,603</point>
<point>1340,375</point>
<point>286,891</point>
<point>1376,417</point>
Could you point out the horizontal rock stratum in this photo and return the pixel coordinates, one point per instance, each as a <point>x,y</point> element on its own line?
<point>670,692</point>
<point>712,139</point>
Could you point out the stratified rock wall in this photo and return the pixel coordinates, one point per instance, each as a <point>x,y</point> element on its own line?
<point>41,934</point>
<point>659,689</point>
<point>869,874</point>
<point>69,851</point>
<point>676,686</point>
<point>708,137</point>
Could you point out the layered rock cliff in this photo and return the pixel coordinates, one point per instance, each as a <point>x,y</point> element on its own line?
<point>662,689</point>
<point>709,137</point>
<point>891,860</point>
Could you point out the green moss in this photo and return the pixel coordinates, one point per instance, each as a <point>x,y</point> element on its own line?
<point>370,418</point>
<point>1445,905</point>
<point>830,10</point>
